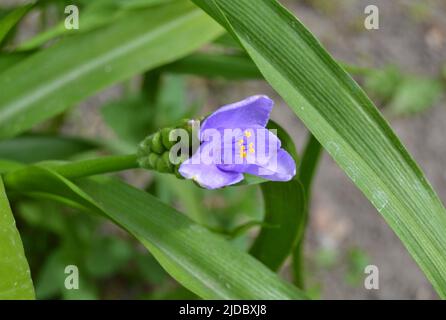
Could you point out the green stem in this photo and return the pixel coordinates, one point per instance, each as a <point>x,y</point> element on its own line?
<point>307,170</point>
<point>91,167</point>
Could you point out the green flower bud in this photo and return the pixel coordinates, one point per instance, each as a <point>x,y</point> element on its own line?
<point>163,166</point>
<point>145,144</point>
<point>166,159</point>
<point>156,145</point>
<point>165,134</point>
<point>152,160</point>
<point>153,152</point>
<point>144,148</point>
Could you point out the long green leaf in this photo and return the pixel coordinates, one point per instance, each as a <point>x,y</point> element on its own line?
<point>94,15</point>
<point>346,123</point>
<point>233,67</point>
<point>15,277</point>
<point>283,222</point>
<point>200,260</point>
<point>310,160</point>
<point>307,170</point>
<point>81,65</point>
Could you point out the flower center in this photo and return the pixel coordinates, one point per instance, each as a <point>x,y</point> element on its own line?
<point>244,146</point>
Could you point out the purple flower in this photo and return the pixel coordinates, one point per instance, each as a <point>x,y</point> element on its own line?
<point>234,141</point>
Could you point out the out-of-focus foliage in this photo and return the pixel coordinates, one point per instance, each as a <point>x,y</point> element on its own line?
<point>56,237</point>
<point>401,93</point>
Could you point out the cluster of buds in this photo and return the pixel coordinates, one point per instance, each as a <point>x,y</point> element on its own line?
<point>156,151</point>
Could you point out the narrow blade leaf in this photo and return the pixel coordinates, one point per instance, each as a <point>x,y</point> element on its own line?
<point>15,277</point>
<point>284,211</point>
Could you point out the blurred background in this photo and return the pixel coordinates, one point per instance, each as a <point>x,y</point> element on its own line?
<point>402,66</point>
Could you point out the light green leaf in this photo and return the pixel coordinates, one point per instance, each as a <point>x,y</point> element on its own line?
<point>79,66</point>
<point>203,262</point>
<point>345,122</point>
<point>15,277</point>
<point>8,165</point>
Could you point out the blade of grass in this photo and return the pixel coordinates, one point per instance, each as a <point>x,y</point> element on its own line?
<point>284,215</point>
<point>345,122</point>
<point>307,169</point>
<point>284,204</point>
<point>232,67</point>
<point>15,277</point>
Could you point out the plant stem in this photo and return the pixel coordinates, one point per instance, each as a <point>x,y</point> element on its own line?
<point>100,165</point>
<point>310,160</point>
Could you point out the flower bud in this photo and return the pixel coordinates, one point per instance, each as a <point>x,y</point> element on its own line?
<point>163,165</point>
<point>152,160</point>
<point>156,145</point>
<point>154,151</point>
<point>165,138</point>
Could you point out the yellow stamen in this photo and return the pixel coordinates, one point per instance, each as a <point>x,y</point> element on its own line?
<point>251,147</point>
<point>247,133</point>
<point>242,152</point>
<point>240,142</point>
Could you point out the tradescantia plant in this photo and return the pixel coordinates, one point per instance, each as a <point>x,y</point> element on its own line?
<point>235,147</point>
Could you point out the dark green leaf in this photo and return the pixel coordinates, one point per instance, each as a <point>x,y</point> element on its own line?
<point>307,170</point>
<point>284,212</point>
<point>7,60</point>
<point>232,67</point>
